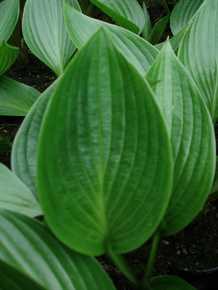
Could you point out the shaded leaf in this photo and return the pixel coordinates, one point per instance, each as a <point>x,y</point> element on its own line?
<point>170,283</point>
<point>147,28</point>
<point>8,55</point>
<point>159,29</point>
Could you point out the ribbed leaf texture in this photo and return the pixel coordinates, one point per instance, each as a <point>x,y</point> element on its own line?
<point>106,179</point>
<point>8,55</point>
<point>81,28</point>
<point>170,283</point>
<point>28,247</point>
<point>9,13</point>
<point>192,137</point>
<point>127,13</point>
<point>45,34</point>
<point>16,99</point>
<point>198,51</point>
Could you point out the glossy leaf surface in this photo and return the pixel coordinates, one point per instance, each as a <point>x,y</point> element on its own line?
<point>111,181</point>
<point>24,148</point>
<point>8,55</point>
<point>15,196</point>
<point>9,13</point>
<point>81,28</point>
<point>28,246</point>
<point>127,13</point>
<point>16,99</point>
<point>192,138</point>
<point>170,283</point>
<point>182,13</point>
<point>45,34</point>
<point>198,51</point>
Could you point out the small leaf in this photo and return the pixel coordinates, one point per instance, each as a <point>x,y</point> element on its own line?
<point>107,175</point>
<point>9,14</point>
<point>159,29</point>
<point>15,196</point>
<point>28,247</point>
<point>147,28</point>
<point>45,34</point>
<point>24,149</point>
<point>127,13</point>
<point>192,138</point>
<point>81,28</point>
<point>16,99</point>
<point>182,13</point>
<point>198,51</point>
<point>8,55</point>
<point>170,283</point>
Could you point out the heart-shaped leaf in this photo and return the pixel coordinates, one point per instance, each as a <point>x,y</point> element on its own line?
<point>81,28</point>
<point>28,247</point>
<point>127,13</point>
<point>182,13</point>
<point>9,13</point>
<point>15,196</point>
<point>170,283</point>
<point>8,55</point>
<point>192,138</point>
<point>24,149</point>
<point>16,99</point>
<point>107,176</point>
<point>198,51</point>
<point>45,34</point>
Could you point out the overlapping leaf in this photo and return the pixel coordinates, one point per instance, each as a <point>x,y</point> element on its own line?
<point>192,138</point>
<point>45,34</point>
<point>9,13</point>
<point>24,148</point>
<point>28,247</point>
<point>81,28</point>
<point>16,99</point>
<point>170,283</point>
<point>8,55</point>
<point>15,196</point>
<point>198,51</point>
<point>183,13</point>
<point>107,175</point>
<point>127,13</point>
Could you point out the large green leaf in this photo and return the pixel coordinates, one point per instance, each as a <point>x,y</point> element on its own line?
<point>106,179</point>
<point>24,148</point>
<point>192,138</point>
<point>81,28</point>
<point>45,34</point>
<point>182,13</point>
<point>170,283</point>
<point>28,247</point>
<point>16,99</point>
<point>127,13</point>
<point>198,51</point>
<point>15,196</point>
<point>8,55</point>
<point>9,13</point>
<point>14,280</point>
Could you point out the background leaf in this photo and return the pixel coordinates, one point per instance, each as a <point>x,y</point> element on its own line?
<point>170,283</point>
<point>16,99</point>
<point>45,34</point>
<point>111,181</point>
<point>158,29</point>
<point>28,247</point>
<point>127,13</point>
<point>15,196</point>
<point>8,55</point>
<point>192,138</point>
<point>9,14</point>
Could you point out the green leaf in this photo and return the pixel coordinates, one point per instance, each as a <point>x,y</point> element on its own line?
<point>24,149</point>
<point>107,175</point>
<point>182,13</point>
<point>28,247</point>
<point>15,196</point>
<point>8,55</point>
<point>127,13</point>
<point>14,280</point>
<point>192,138</point>
<point>198,51</point>
<point>9,14</point>
<point>170,283</point>
<point>147,27</point>
<point>45,34</point>
<point>16,99</point>
<point>159,29</point>
<point>81,28</point>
